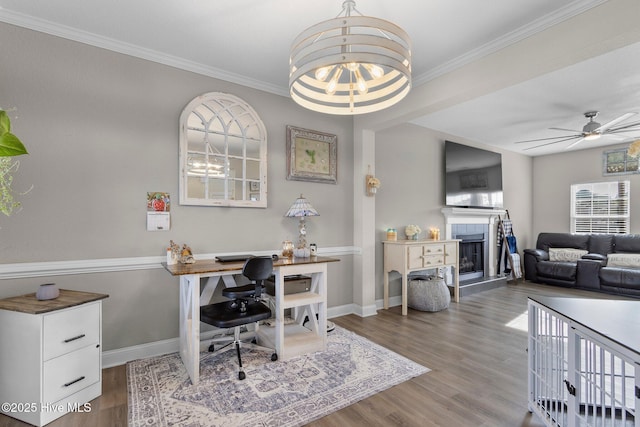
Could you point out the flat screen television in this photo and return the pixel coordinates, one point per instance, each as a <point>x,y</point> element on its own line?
<point>473,177</point>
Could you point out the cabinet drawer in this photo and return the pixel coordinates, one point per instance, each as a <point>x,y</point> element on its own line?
<point>69,330</point>
<point>430,261</point>
<point>434,249</point>
<point>70,373</point>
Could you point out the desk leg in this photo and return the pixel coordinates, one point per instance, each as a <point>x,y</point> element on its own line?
<point>279,327</point>
<point>404,294</point>
<point>456,284</point>
<point>190,325</point>
<point>386,289</point>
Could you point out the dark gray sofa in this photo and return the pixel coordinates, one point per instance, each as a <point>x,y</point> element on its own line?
<point>590,271</point>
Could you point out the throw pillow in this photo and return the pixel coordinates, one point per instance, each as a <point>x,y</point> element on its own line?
<point>566,254</point>
<point>623,260</point>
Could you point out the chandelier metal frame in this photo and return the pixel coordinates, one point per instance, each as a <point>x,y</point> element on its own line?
<point>350,64</point>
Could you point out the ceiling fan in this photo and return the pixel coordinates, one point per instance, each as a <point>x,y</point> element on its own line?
<point>591,131</point>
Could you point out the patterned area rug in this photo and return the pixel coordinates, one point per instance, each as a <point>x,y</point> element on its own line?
<point>282,393</point>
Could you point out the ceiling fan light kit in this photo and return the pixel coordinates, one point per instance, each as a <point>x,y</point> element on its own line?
<point>350,64</point>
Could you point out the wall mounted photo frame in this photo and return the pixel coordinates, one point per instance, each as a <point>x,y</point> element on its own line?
<point>618,162</point>
<point>311,155</point>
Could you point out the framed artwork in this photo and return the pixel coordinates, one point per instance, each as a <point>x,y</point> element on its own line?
<point>311,155</point>
<point>618,162</point>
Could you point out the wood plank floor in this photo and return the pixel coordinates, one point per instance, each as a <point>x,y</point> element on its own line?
<point>478,367</point>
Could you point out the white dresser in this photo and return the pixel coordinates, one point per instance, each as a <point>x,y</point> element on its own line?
<point>50,355</point>
<point>406,256</point>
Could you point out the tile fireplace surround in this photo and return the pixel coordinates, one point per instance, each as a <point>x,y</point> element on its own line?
<point>477,216</point>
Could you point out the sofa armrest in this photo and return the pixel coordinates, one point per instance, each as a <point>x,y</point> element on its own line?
<point>531,259</point>
<point>595,257</point>
<point>538,254</point>
<point>588,273</point>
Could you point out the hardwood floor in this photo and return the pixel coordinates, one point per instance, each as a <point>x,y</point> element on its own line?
<point>478,367</point>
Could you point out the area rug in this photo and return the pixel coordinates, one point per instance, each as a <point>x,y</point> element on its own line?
<point>281,393</point>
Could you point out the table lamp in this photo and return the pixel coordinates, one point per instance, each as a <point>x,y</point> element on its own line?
<point>301,208</point>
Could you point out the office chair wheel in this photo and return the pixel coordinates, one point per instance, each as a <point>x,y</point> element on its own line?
<point>211,348</point>
<point>274,357</point>
<point>241,375</point>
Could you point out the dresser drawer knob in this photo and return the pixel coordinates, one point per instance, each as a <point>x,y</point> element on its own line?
<point>68,340</point>
<point>74,381</point>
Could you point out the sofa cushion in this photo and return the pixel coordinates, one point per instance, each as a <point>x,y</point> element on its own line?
<point>627,243</point>
<point>562,240</point>
<point>627,278</point>
<point>566,254</point>
<point>601,243</point>
<point>623,260</point>
<point>558,270</point>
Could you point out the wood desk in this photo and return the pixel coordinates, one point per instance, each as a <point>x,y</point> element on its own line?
<point>288,340</point>
<point>406,256</point>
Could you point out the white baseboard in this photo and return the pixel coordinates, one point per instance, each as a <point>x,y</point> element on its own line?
<point>111,358</point>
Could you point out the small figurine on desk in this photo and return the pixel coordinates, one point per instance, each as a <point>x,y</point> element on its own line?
<point>173,253</point>
<point>186,256</point>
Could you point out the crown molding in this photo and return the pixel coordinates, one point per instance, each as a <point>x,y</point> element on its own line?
<point>567,12</point>
<point>574,8</point>
<point>85,37</point>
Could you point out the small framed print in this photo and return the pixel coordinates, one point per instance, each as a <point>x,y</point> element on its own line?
<point>618,162</point>
<point>311,155</point>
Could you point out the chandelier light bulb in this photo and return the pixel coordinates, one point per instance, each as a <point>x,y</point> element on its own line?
<point>374,70</point>
<point>362,84</point>
<point>323,72</point>
<point>332,86</point>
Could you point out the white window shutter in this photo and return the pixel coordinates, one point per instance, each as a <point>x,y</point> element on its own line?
<point>601,207</point>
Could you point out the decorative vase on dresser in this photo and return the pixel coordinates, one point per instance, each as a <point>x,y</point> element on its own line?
<point>50,356</point>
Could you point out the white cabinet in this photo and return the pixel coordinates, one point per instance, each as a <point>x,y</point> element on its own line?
<point>406,256</point>
<point>50,357</point>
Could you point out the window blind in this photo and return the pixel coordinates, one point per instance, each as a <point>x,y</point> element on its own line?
<point>601,207</point>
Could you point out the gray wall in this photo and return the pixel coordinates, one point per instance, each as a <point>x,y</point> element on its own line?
<point>410,165</point>
<point>553,177</point>
<point>102,131</point>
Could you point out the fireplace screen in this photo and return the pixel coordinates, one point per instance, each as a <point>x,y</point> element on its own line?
<point>471,253</point>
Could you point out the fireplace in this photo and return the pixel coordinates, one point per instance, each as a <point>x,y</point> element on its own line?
<point>476,230</point>
<point>473,248</point>
<point>471,255</point>
<point>461,221</point>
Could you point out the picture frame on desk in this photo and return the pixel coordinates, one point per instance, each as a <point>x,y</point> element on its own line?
<point>311,155</point>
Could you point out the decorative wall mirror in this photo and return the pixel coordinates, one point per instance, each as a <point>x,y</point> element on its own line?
<point>223,153</point>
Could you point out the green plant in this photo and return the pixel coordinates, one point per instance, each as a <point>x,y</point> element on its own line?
<point>10,146</point>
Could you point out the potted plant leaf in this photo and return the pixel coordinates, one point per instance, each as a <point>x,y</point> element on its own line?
<point>10,146</point>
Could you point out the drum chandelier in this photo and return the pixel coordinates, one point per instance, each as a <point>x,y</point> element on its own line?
<point>350,64</point>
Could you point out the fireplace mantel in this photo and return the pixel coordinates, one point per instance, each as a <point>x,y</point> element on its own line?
<point>476,216</point>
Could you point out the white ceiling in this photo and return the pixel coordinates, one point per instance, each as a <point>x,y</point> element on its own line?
<point>248,41</point>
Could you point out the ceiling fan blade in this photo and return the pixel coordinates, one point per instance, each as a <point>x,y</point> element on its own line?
<point>550,138</point>
<point>625,127</point>
<point>614,136</point>
<point>614,122</point>
<point>573,144</point>
<point>568,130</point>
<point>549,143</point>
